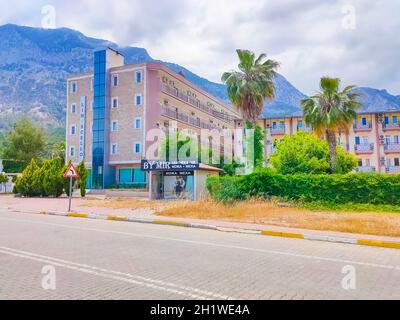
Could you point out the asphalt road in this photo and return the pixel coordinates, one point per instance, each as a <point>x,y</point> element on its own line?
<point>48,257</point>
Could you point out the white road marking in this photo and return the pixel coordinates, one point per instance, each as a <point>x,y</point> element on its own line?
<point>116,275</point>
<point>211,244</point>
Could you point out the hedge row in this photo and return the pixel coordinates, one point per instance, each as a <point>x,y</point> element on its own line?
<point>338,188</point>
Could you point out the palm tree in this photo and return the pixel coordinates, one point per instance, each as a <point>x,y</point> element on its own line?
<point>330,110</point>
<point>249,87</point>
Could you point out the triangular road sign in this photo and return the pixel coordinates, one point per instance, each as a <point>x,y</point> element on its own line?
<point>71,172</point>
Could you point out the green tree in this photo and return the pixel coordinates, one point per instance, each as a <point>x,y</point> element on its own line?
<point>306,153</point>
<point>330,110</point>
<point>27,183</point>
<point>255,154</point>
<point>252,84</point>
<point>23,143</point>
<point>83,174</point>
<point>3,180</point>
<point>53,180</point>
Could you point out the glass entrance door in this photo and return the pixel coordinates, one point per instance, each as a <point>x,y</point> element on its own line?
<point>179,187</point>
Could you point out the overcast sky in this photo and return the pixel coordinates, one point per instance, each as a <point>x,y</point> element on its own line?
<point>356,40</point>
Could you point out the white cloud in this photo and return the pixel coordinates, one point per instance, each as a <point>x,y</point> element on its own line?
<point>306,36</point>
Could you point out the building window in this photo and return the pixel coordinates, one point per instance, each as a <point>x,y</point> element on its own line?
<point>394,119</point>
<point>386,120</point>
<point>115,80</point>
<point>74,87</point>
<point>137,147</point>
<point>360,163</point>
<point>114,125</point>
<point>114,149</point>
<point>138,123</point>
<point>72,151</point>
<point>396,162</point>
<point>138,99</point>
<point>138,76</point>
<point>73,129</point>
<point>73,108</point>
<point>114,102</point>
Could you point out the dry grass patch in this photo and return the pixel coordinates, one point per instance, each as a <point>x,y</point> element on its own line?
<point>270,213</point>
<point>133,203</point>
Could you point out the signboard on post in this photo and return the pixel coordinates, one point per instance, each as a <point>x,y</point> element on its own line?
<point>71,173</point>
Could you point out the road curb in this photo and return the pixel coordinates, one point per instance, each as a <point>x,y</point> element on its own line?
<point>271,233</point>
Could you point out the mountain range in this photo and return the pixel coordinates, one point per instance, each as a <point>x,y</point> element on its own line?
<point>35,62</point>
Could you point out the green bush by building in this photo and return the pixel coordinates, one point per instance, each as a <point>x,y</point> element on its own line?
<point>45,179</point>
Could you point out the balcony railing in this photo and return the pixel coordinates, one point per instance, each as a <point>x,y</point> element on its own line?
<point>364,148</point>
<point>196,103</point>
<point>304,129</point>
<point>362,127</point>
<point>278,130</point>
<point>393,169</point>
<point>184,117</point>
<point>391,126</point>
<point>366,169</point>
<point>392,147</point>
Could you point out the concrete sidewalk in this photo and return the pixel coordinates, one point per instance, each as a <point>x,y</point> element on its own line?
<point>145,215</point>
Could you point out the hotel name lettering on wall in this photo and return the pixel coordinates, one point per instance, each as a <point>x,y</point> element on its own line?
<point>82,129</point>
<point>156,165</point>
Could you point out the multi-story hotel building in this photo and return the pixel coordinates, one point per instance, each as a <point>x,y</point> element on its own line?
<point>373,138</point>
<point>110,110</point>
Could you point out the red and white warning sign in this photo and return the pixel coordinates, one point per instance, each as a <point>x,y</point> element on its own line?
<point>71,172</point>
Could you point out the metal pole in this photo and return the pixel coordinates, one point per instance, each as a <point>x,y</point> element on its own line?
<point>70,194</point>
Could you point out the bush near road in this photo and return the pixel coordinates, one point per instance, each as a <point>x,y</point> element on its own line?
<point>45,179</point>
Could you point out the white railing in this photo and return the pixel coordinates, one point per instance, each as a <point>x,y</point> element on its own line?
<point>278,130</point>
<point>366,169</point>
<point>364,148</point>
<point>392,147</point>
<point>184,117</point>
<point>360,126</point>
<point>394,169</point>
<point>391,126</point>
<point>196,103</point>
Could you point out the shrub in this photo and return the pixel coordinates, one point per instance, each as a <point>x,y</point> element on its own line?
<point>306,153</point>
<point>225,189</point>
<point>334,188</point>
<point>45,179</point>
<point>83,174</point>
<point>26,185</point>
<point>53,178</point>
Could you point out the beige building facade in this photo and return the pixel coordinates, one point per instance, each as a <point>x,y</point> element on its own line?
<point>374,138</point>
<point>111,110</point>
